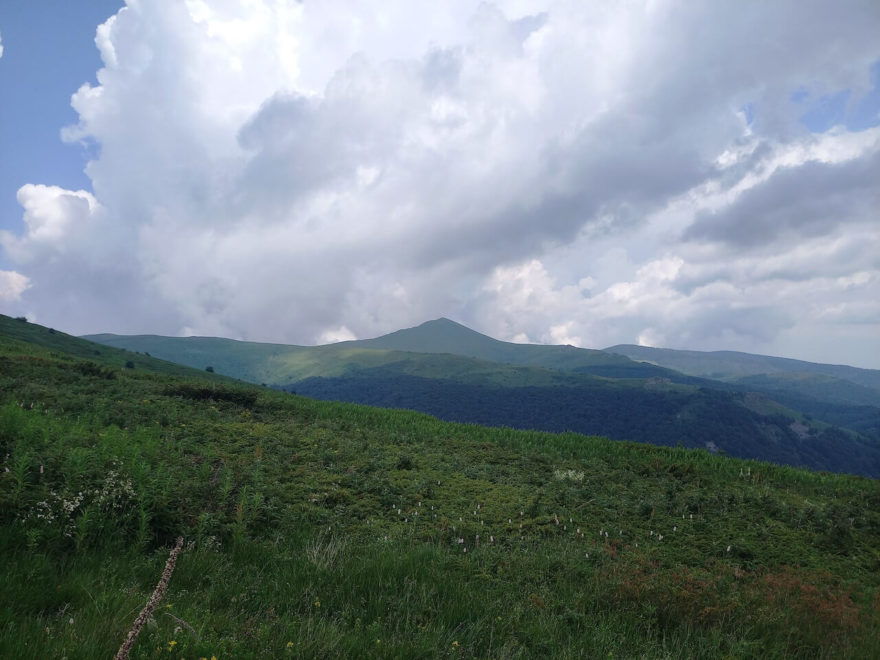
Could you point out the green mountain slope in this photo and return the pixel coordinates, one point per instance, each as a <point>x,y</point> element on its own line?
<point>29,336</point>
<point>730,365</point>
<point>445,336</point>
<point>629,400</point>
<point>276,363</point>
<point>740,424</point>
<point>840,395</point>
<point>317,529</point>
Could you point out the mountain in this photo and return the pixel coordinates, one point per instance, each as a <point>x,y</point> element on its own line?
<point>838,394</point>
<point>284,364</point>
<point>27,336</point>
<point>317,529</point>
<point>456,374</point>
<point>731,365</point>
<point>445,336</point>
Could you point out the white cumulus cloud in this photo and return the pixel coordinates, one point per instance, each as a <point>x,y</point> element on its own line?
<point>563,172</point>
<point>12,285</point>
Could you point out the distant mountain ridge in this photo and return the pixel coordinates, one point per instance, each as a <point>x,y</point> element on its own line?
<point>445,336</point>
<point>458,374</point>
<point>730,365</point>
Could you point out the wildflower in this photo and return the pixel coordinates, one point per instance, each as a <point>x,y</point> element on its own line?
<point>728,548</point>
<point>675,528</point>
<point>317,603</point>
<point>290,645</point>
<point>171,645</point>
<point>455,644</point>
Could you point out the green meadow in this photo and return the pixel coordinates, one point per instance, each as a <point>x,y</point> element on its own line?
<point>318,529</point>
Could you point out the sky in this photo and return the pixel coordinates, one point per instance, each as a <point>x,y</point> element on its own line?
<point>701,175</point>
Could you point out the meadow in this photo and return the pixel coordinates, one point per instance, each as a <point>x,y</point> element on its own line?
<point>317,529</point>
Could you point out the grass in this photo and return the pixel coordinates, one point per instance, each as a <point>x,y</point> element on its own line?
<point>320,529</point>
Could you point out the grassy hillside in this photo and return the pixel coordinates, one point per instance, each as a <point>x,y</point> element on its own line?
<point>29,337</point>
<point>332,530</point>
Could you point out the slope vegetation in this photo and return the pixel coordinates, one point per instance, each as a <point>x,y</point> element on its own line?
<point>318,529</point>
<point>837,394</point>
<point>450,371</point>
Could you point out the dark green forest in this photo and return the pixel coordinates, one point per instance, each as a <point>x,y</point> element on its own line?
<point>642,412</point>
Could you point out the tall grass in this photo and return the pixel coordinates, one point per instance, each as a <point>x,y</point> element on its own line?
<point>318,529</point>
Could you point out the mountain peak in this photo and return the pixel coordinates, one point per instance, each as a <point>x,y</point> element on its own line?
<point>442,323</point>
<point>440,335</point>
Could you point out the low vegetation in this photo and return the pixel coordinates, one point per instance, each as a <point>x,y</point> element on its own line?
<point>317,529</point>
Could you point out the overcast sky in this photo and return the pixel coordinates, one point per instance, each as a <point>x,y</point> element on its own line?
<point>688,174</point>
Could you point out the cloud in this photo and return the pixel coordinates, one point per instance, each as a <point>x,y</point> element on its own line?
<point>52,219</point>
<point>12,285</point>
<point>810,198</point>
<point>1,46</point>
<point>569,172</point>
